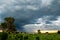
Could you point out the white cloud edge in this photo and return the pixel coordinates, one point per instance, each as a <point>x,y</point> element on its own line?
<point>43,26</point>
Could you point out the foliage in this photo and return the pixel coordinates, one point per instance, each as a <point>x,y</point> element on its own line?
<point>4,26</point>
<point>9,20</point>
<point>8,24</point>
<point>3,36</point>
<point>27,36</point>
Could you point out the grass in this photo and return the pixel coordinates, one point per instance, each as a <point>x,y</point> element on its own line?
<point>27,36</point>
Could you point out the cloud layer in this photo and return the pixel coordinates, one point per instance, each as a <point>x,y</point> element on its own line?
<point>43,24</point>
<point>32,14</point>
<point>14,5</point>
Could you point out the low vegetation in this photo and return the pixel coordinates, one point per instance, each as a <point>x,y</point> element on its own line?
<point>27,36</point>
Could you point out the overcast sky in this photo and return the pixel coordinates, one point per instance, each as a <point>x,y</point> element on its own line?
<point>31,15</point>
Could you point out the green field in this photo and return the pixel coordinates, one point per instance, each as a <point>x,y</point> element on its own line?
<point>27,36</point>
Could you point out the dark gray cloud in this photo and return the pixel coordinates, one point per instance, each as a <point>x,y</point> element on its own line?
<point>29,11</point>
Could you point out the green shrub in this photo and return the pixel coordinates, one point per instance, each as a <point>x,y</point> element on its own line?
<point>27,36</point>
<point>4,36</point>
<point>37,38</point>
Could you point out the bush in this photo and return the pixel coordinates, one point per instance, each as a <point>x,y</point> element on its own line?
<point>37,38</point>
<point>26,38</point>
<point>4,36</point>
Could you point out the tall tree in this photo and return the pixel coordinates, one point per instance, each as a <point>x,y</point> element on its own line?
<point>9,24</point>
<point>9,20</point>
<point>4,26</point>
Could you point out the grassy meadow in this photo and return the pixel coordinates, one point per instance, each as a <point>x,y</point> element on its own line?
<point>27,36</point>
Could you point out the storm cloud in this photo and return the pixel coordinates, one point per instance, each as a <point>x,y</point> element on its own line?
<point>32,14</point>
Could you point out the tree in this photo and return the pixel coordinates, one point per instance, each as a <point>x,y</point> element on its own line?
<point>39,32</point>
<point>9,20</point>
<point>58,32</point>
<point>4,26</point>
<point>9,24</point>
<point>12,28</point>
